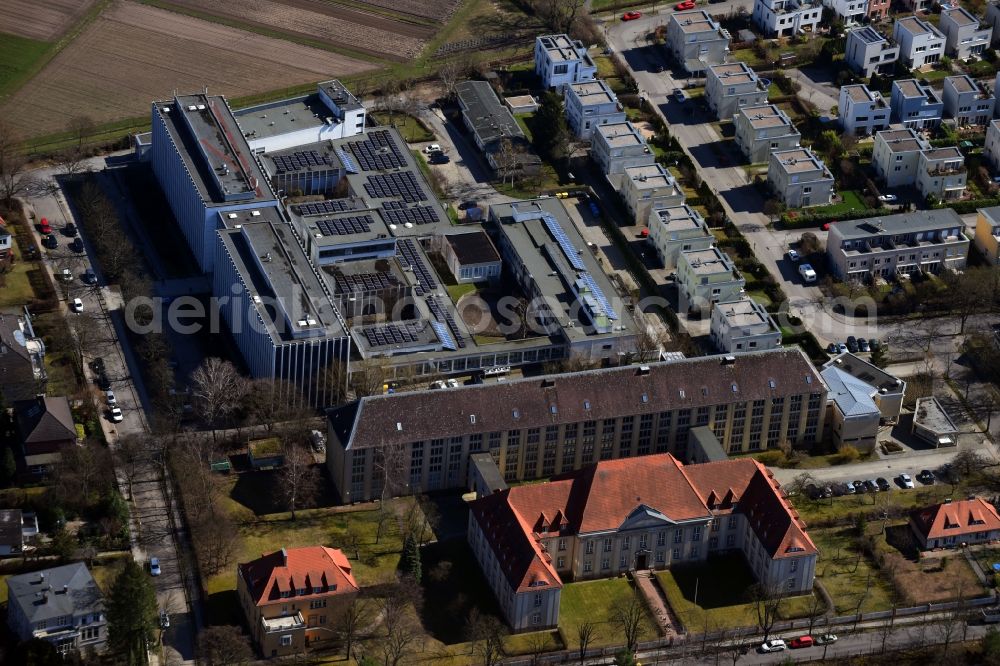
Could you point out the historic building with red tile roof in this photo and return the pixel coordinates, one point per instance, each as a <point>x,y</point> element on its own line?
<point>631,514</point>
<point>293,597</point>
<point>955,523</point>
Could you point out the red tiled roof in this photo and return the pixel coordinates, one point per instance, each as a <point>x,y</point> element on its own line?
<point>294,569</point>
<point>956,518</point>
<point>602,496</point>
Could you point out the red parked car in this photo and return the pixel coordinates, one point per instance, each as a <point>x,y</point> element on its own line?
<point>684,6</point>
<point>631,16</point>
<point>801,642</point>
<point>44,226</point>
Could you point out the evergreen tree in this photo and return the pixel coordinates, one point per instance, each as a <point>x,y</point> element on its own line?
<point>410,562</point>
<point>132,615</point>
<point>551,133</point>
<point>8,467</point>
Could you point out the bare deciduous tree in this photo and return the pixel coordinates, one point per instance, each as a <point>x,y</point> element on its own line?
<point>299,480</point>
<point>627,616</point>
<point>129,454</point>
<point>450,74</point>
<point>352,621</point>
<point>561,15</point>
<point>223,645</point>
<point>487,633</point>
<point>767,602</point>
<point>217,387</point>
<point>585,634</point>
<point>14,177</point>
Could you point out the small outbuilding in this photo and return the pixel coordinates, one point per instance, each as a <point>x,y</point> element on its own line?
<point>932,424</point>
<point>471,257</point>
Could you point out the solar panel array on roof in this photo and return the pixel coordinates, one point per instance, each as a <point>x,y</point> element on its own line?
<point>323,207</point>
<point>598,293</point>
<point>444,335</point>
<point>402,185</point>
<point>415,215</point>
<point>346,226</point>
<point>349,164</point>
<point>443,315</point>
<point>425,279</point>
<point>567,247</point>
<point>297,161</point>
<point>377,152</point>
<point>393,334</point>
<point>365,282</point>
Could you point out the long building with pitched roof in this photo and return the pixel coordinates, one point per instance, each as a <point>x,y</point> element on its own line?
<point>625,515</point>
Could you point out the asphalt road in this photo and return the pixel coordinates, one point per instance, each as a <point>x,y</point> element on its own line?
<point>151,532</point>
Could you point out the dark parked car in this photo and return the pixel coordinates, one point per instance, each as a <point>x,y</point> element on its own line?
<point>466,205</point>
<point>77,245</point>
<point>831,348</point>
<point>89,276</point>
<point>871,486</point>
<point>863,345</point>
<point>103,382</point>
<point>925,477</point>
<point>860,487</point>
<point>852,344</point>
<point>51,242</point>
<point>874,344</point>
<point>883,484</point>
<point>70,229</point>
<point>439,158</point>
<point>97,365</point>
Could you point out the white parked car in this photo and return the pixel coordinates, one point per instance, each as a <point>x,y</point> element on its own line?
<point>433,148</point>
<point>67,275</point>
<point>807,272</point>
<point>77,305</point>
<point>906,480</point>
<point>116,415</point>
<point>793,255</point>
<point>773,645</point>
<point>112,400</point>
<point>887,198</point>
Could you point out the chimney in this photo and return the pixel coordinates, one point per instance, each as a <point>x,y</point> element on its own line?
<point>284,557</point>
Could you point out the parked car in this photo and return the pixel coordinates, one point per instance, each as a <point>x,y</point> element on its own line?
<point>684,6</point>
<point>839,489</point>
<point>831,348</point>
<point>679,95</point>
<point>89,276</point>
<point>466,205</point>
<point>807,272</point>
<point>871,486</point>
<point>51,242</point>
<point>841,348</point>
<point>70,229</point>
<point>773,645</point>
<point>887,198</point>
<point>849,487</point>
<point>77,245</point>
<point>103,382</point>
<point>863,345</point>
<point>164,620</point>
<point>631,16</point>
<point>874,344</point>
<point>433,148</point>
<point>116,415</point>
<point>801,642</point>
<point>925,477</point>
<point>793,255</point>
<point>97,365</point>
<point>883,484</point>
<point>826,639</point>
<point>860,487</point>
<point>44,227</point>
<point>77,305</point>
<point>826,226</point>
<point>154,566</point>
<point>439,158</point>
<point>905,480</point>
<point>852,344</point>
<point>112,400</point>
<point>67,275</point>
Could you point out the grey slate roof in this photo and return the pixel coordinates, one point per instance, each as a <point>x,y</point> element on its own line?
<point>44,419</point>
<point>491,119</point>
<point>853,396</point>
<point>44,598</point>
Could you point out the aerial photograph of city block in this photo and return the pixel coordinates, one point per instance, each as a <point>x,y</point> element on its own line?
<point>499,332</point>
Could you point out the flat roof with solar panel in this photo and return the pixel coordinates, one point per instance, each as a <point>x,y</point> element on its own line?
<point>418,335</point>
<point>327,207</point>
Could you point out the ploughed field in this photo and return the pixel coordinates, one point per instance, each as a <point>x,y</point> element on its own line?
<point>44,20</point>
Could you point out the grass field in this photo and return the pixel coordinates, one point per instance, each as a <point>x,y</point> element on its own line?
<point>847,575</point>
<point>592,601</point>
<point>18,56</point>
<point>412,130</point>
<point>842,508</point>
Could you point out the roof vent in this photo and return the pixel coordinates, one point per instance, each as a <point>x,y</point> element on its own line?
<point>548,382</point>
<point>399,427</point>
<point>728,359</point>
<point>643,370</point>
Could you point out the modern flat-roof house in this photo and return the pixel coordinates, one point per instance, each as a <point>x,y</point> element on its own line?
<point>878,10</point>
<point>761,130</point>
<point>647,188</point>
<point>589,104</point>
<point>491,124</point>
<point>743,325</point>
<point>541,426</point>
<point>932,424</point>
<point>677,229</point>
<point>916,104</point>
<point>799,178</point>
<point>993,20</point>
<point>16,527</point>
<point>941,173</point>
<point>781,18</point>
<point>291,598</point>
<point>706,277</point>
<point>44,427</point>
<point>62,605</point>
<point>955,523</point>
<point>920,43</point>
<point>616,146</point>
<point>732,86</point>
<point>696,40</point>
<point>862,111</point>
<point>850,12</point>
<point>988,233</point>
<point>332,112</point>
<point>560,61</point>
<point>618,516</point>
<point>963,35</point>
<point>926,240</point>
<point>869,52</point>
<point>967,102</point>
<point>471,256</point>
<point>992,146</point>
<point>854,417</point>
<point>205,167</point>
<point>22,357</point>
<point>887,391</point>
<point>896,156</point>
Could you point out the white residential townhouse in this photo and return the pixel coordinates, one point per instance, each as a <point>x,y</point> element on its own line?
<point>993,20</point>
<point>798,178</point>
<point>992,148</point>
<point>920,43</point>
<point>616,146</point>
<point>941,173</point>
<point>677,229</point>
<point>743,325</point>
<point>916,6</point>
<point>964,37</point>
<point>589,104</point>
<point>707,277</point>
<point>781,18</point>
<point>923,240</point>
<point>761,130</point>
<point>648,187</point>
<point>862,112</point>
<point>896,156</point>
<point>915,104</point>
<point>560,61</point>
<point>851,12</point>
<point>696,40</point>
<point>867,51</point>
<point>967,102</point>
<point>988,234</point>
<point>731,87</point>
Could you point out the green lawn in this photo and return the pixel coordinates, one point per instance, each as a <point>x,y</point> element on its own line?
<point>850,201</point>
<point>592,601</point>
<point>843,508</point>
<point>18,56</point>
<point>524,122</point>
<point>411,128</point>
<point>847,575</point>
<point>721,584</point>
<point>605,68</point>
<point>17,289</point>
<point>934,74</point>
<point>456,291</point>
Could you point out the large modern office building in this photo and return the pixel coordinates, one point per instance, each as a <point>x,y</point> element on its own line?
<point>541,426</point>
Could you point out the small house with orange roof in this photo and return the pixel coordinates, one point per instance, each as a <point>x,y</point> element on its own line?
<point>951,524</point>
<point>294,597</point>
<point>633,514</point>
